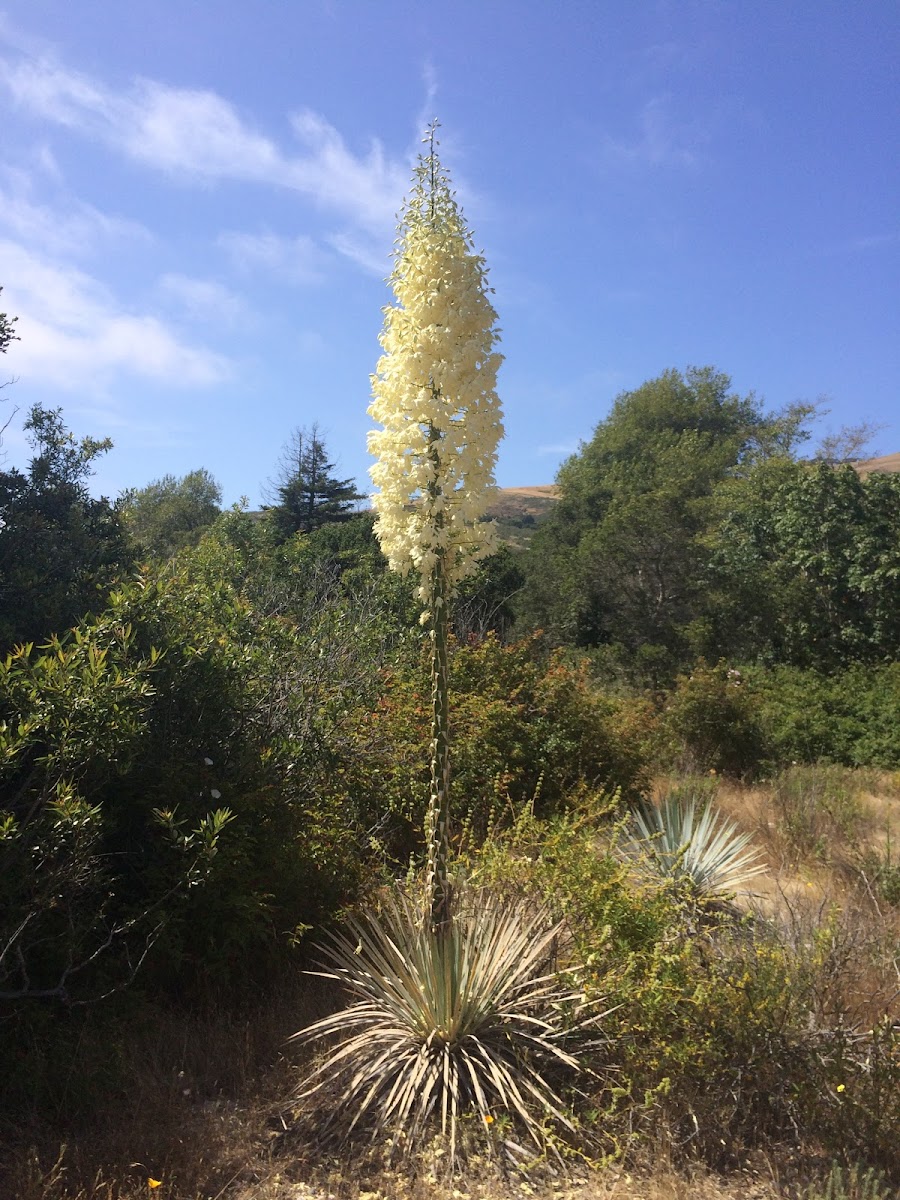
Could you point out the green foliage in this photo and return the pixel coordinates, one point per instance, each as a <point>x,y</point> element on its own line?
<point>806,559</point>
<point>847,717</point>
<point>171,513</point>
<point>72,718</point>
<point>60,550</point>
<point>189,695</point>
<point>441,1025</point>
<point>485,602</point>
<point>526,729</point>
<point>710,722</point>
<point>686,528</point>
<point>751,720</point>
<point>568,861</point>
<point>621,560</point>
<point>854,1183</point>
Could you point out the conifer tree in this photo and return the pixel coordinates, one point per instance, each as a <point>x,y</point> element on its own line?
<point>307,494</point>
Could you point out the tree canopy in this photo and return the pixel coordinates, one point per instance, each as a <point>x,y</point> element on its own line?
<point>58,545</point>
<point>170,512</point>
<point>622,560</point>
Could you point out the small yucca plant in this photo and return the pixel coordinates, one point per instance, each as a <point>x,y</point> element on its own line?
<point>468,1020</point>
<point>690,843</point>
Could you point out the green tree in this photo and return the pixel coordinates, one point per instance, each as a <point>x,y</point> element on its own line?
<point>621,560</point>
<point>170,513</point>
<point>308,494</point>
<point>806,562</point>
<point>59,548</point>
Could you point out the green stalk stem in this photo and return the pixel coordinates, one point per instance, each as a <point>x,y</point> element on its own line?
<point>437,828</point>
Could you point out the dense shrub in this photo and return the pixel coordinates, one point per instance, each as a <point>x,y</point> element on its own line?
<point>121,741</point>
<point>710,722</point>
<point>526,729</point>
<point>720,1034</point>
<point>748,720</point>
<point>849,717</point>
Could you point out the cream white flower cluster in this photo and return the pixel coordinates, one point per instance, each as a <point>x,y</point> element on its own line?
<point>435,395</point>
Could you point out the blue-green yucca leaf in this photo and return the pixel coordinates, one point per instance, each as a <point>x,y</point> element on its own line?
<point>689,842</point>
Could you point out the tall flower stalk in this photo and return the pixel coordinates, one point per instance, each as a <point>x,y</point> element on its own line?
<point>435,396</point>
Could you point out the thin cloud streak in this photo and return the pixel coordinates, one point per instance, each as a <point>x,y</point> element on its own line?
<point>298,259</point>
<point>71,227</point>
<point>205,299</point>
<point>661,142</point>
<point>75,336</point>
<point>197,134</point>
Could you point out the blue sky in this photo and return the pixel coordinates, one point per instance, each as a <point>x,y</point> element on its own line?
<point>198,200</point>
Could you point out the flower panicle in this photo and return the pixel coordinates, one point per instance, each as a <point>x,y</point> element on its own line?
<point>434,393</point>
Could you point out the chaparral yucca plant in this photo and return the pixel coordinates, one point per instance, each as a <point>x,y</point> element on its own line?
<point>451,1013</point>
<point>469,1019</point>
<point>692,844</point>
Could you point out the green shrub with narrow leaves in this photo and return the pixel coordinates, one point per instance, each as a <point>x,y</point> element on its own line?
<point>527,728</point>
<point>120,739</point>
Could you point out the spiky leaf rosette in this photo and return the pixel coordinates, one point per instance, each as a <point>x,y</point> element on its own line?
<point>435,393</point>
<point>442,1025</point>
<point>692,843</point>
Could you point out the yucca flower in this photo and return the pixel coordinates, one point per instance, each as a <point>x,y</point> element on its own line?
<point>435,395</point>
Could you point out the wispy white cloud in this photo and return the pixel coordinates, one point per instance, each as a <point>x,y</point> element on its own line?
<point>363,252</point>
<point>426,112</point>
<point>75,336</point>
<point>866,242</point>
<point>197,134</point>
<point>67,227</point>
<point>661,141</point>
<point>205,299</point>
<point>557,448</point>
<point>297,259</point>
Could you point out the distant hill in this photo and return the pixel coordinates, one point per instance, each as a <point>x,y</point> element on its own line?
<point>519,510</point>
<point>513,503</point>
<point>887,464</point>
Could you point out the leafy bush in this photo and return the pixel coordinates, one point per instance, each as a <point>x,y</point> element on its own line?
<point>848,717</point>
<point>122,740</point>
<point>524,730</point>
<point>710,722</point>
